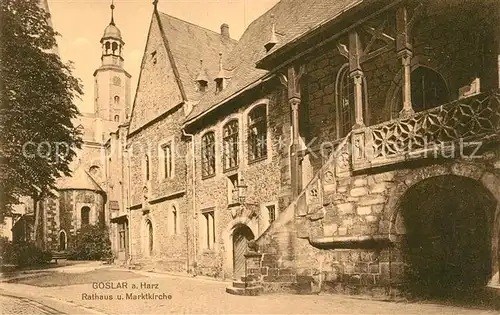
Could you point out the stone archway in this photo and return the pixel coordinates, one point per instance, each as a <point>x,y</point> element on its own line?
<point>242,234</point>
<point>227,237</point>
<point>448,227</point>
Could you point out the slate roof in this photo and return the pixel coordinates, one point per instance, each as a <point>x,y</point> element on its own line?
<point>190,43</point>
<point>292,18</point>
<point>80,179</point>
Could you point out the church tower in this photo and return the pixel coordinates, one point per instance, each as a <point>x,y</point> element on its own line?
<point>111,81</point>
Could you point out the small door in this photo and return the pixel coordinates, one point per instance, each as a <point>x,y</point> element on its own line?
<point>241,236</point>
<point>123,240</point>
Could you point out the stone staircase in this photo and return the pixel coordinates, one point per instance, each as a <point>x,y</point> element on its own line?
<point>308,203</point>
<point>248,285</point>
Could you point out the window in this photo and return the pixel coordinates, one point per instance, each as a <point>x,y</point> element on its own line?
<point>146,167</point>
<point>428,89</point>
<point>117,118</point>
<point>174,220</point>
<point>167,160</point>
<point>116,99</point>
<point>345,101</point>
<point>202,86</point>
<point>208,226</point>
<point>114,46</point>
<point>271,211</point>
<point>208,154</point>
<point>149,239</point>
<point>257,133</point>
<point>230,139</point>
<point>85,216</point>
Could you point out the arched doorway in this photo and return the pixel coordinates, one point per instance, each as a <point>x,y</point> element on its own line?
<point>62,240</point>
<point>448,222</point>
<point>241,235</point>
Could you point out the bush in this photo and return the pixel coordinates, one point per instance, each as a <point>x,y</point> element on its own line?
<point>24,254</point>
<point>90,243</point>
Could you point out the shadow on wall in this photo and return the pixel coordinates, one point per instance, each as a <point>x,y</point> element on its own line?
<point>448,222</point>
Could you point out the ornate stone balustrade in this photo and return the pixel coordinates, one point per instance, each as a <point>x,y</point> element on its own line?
<point>435,132</point>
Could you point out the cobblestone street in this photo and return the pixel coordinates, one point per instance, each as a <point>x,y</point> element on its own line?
<point>14,305</point>
<point>176,294</point>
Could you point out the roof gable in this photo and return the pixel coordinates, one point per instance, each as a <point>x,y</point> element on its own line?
<point>171,64</point>
<point>158,88</point>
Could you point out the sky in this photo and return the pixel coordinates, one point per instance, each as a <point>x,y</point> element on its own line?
<point>81,24</point>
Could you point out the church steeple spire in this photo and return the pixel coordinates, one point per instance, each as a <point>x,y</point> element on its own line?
<point>112,6</point>
<point>112,43</point>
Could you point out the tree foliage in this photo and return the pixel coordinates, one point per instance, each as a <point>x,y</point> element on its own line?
<point>23,254</point>
<point>90,243</point>
<point>37,92</point>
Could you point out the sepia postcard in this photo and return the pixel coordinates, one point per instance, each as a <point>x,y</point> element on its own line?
<point>250,157</point>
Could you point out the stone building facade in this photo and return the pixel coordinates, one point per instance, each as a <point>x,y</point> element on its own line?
<point>355,143</point>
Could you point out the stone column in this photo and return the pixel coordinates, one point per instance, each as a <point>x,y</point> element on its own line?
<point>404,49</point>
<point>357,76</point>
<point>292,82</point>
<point>406,87</point>
<point>294,148</point>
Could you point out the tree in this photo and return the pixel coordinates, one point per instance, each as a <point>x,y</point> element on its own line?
<point>91,242</point>
<point>37,93</point>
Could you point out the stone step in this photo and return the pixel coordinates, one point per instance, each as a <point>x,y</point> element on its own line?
<point>249,278</point>
<point>248,291</point>
<point>250,284</point>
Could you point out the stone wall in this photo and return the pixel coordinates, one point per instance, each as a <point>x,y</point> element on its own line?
<point>357,246</point>
<point>63,213</point>
<point>267,180</point>
<point>163,194</point>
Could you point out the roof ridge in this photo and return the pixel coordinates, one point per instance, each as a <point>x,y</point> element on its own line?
<point>193,24</point>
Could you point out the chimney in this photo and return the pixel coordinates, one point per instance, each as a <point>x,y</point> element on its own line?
<point>224,30</point>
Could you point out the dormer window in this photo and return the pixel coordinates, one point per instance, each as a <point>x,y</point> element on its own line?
<point>219,80</point>
<point>202,79</point>
<point>202,86</point>
<point>219,85</point>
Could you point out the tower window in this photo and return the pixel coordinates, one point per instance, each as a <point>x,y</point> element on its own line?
<point>107,46</point>
<point>116,99</point>
<point>115,47</point>
<point>117,118</point>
